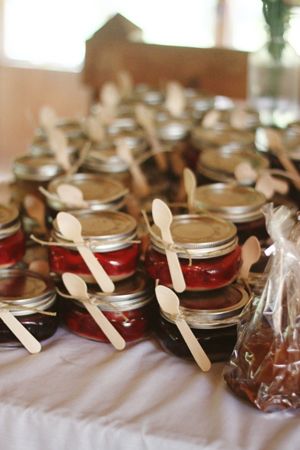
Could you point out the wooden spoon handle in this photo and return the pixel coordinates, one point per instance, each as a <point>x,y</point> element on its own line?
<point>108,329</point>
<point>175,271</point>
<point>103,280</point>
<point>194,346</point>
<point>22,334</point>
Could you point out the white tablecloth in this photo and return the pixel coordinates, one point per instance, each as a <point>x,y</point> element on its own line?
<point>81,395</point>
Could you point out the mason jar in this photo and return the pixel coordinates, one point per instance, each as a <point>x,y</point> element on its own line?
<point>12,239</point>
<point>207,248</point>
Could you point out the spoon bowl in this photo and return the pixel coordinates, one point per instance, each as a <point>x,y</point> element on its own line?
<point>251,252</point>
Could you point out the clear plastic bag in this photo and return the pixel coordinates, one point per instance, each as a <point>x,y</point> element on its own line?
<point>265,365</point>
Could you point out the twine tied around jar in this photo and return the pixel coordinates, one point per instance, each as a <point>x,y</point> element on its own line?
<point>92,245</point>
<point>93,300</point>
<point>166,245</point>
<point>10,307</point>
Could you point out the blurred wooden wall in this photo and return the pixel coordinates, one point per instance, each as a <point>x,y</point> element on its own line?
<point>23,92</point>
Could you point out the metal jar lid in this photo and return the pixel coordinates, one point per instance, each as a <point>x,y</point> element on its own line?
<point>99,192</point>
<point>72,128</point>
<point>126,123</point>
<point>173,130</point>
<point>36,168</point>
<point>105,230</point>
<point>132,293</point>
<point>232,202</point>
<point>40,147</point>
<point>212,309</point>
<point>218,164</point>
<point>221,134</point>
<point>152,97</point>
<point>9,221</point>
<point>22,288</point>
<point>200,236</point>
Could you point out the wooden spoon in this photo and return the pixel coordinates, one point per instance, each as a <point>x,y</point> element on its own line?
<point>70,228</point>
<point>77,287</point>
<point>251,252</point>
<point>190,185</point>
<point>31,344</point>
<point>169,302</point>
<point>162,218</point>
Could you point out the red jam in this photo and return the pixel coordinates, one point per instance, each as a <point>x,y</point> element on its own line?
<point>132,325</point>
<point>12,239</point>
<point>28,290</point>
<point>118,264</point>
<point>110,235</point>
<point>203,274</point>
<point>130,308</point>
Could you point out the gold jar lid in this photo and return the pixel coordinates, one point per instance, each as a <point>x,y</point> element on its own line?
<point>99,192</point>
<point>104,230</point>
<point>9,221</point>
<point>173,130</point>
<point>219,164</point>
<point>212,309</point>
<point>199,236</point>
<point>229,201</point>
<point>36,168</point>
<point>22,288</point>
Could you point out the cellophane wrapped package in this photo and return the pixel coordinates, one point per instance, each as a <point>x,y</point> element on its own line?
<point>265,365</point>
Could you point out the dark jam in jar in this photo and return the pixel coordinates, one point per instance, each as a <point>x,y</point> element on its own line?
<point>28,295</point>
<point>110,234</point>
<point>211,243</point>
<point>213,318</point>
<point>12,240</point>
<point>130,309</point>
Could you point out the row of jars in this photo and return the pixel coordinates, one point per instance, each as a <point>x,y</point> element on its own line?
<point>215,264</point>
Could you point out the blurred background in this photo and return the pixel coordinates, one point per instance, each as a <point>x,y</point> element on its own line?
<point>42,49</point>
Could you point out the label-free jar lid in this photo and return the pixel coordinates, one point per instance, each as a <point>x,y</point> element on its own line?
<point>212,309</point>
<point>219,163</point>
<point>232,202</point>
<point>9,220</point>
<point>202,236</point>
<point>108,230</point>
<point>36,168</point>
<point>24,288</point>
<point>122,124</point>
<point>98,191</point>
<point>173,130</point>
<point>129,294</point>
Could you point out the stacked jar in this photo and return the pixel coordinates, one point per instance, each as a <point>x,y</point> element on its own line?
<point>210,260</point>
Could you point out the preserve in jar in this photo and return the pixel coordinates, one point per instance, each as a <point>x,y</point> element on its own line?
<point>109,234</point>
<point>213,318</point>
<point>12,239</point>
<point>207,248</point>
<point>241,205</point>
<point>130,309</point>
<point>33,171</point>
<point>99,192</point>
<point>27,295</point>
<point>219,164</point>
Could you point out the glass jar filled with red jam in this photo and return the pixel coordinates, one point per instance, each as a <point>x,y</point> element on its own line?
<point>219,164</point>
<point>207,248</point>
<point>213,318</point>
<point>99,192</point>
<point>33,171</point>
<point>109,234</point>
<point>130,309</point>
<point>27,295</point>
<point>241,205</point>
<point>12,239</point>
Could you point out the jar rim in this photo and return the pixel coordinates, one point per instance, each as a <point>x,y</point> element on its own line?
<point>231,201</point>
<point>200,236</point>
<point>36,168</point>
<point>214,318</point>
<point>39,291</point>
<point>9,221</point>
